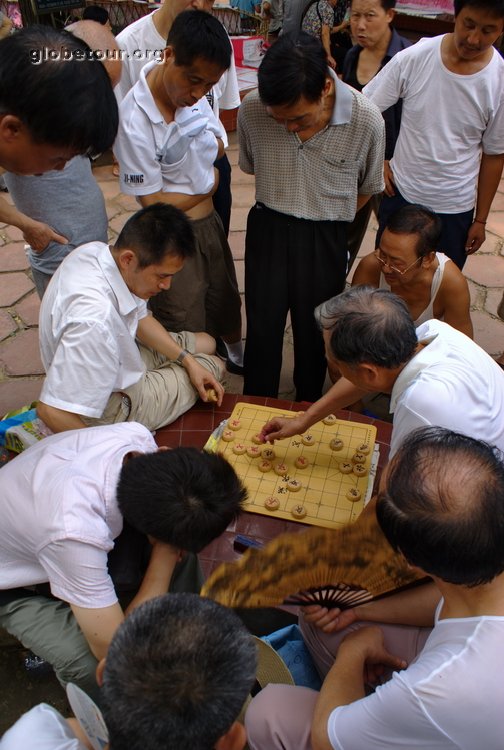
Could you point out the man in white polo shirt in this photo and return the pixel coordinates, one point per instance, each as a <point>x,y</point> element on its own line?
<point>144,41</point>
<point>436,375</point>
<point>92,316</point>
<point>167,144</point>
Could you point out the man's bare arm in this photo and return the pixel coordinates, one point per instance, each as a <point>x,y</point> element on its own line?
<point>151,333</point>
<point>455,297</point>
<point>362,200</point>
<point>360,652</point>
<point>59,420</point>
<point>490,173</point>
<point>415,607</point>
<point>98,626</point>
<point>340,395</point>
<point>156,580</point>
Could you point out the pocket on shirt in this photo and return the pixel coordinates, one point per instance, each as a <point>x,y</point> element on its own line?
<point>339,178</point>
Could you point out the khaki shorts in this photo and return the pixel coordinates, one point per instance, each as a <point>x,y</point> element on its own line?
<point>163,393</point>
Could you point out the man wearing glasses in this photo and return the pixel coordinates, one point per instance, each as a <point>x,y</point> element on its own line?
<point>406,263</point>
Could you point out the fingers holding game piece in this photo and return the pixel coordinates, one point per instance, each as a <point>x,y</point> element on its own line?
<point>257,439</point>
<point>228,436</point>
<point>211,395</point>
<point>283,427</point>
<point>272,503</point>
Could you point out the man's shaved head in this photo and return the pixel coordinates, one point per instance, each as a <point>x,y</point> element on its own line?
<point>101,40</point>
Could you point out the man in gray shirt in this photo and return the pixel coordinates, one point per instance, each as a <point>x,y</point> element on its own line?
<point>68,203</point>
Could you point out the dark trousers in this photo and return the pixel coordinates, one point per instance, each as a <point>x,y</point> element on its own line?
<point>290,264</point>
<point>222,198</point>
<point>452,241</point>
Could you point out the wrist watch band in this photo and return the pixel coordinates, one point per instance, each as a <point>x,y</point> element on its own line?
<point>183,354</point>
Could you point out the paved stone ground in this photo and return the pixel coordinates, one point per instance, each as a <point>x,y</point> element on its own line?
<point>21,371</point>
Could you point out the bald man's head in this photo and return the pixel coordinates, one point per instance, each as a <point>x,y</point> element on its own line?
<point>101,40</point>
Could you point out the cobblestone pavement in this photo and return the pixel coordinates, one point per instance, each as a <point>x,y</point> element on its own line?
<point>21,370</point>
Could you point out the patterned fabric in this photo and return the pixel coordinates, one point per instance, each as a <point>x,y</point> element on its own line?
<point>320,178</point>
<point>321,14</point>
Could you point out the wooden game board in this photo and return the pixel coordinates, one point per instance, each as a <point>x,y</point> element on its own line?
<point>323,486</point>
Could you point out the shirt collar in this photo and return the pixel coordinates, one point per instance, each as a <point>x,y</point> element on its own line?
<point>343,100</point>
<point>395,45</point>
<point>125,299</point>
<point>143,95</point>
<point>411,370</point>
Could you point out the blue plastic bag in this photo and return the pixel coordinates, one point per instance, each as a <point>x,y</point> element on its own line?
<point>288,642</point>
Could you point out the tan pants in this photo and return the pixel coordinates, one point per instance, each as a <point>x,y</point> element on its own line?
<point>162,394</point>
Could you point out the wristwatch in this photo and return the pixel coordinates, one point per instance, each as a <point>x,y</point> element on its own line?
<point>183,354</point>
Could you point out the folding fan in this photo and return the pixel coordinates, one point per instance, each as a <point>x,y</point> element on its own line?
<point>331,567</point>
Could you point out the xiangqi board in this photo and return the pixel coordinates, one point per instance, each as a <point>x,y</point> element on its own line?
<point>308,480</point>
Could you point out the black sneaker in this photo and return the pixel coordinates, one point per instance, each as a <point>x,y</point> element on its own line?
<point>221,351</point>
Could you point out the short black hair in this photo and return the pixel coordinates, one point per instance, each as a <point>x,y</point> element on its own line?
<point>65,100</point>
<point>197,34</point>
<point>368,325</point>
<point>418,220</point>
<point>443,506</point>
<point>294,67</point>
<point>494,7</point>
<point>155,232</point>
<point>95,13</point>
<point>177,674</point>
<point>387,4</point>
<point>183,497</point>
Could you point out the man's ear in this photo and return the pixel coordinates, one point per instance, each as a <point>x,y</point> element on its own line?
<point>234,739</point>
<point>369,371</point>
<point>11,127</point>
<point>168,54</point>
<point>125,259</point>
<point>428,260</point>
<point>100,668</point>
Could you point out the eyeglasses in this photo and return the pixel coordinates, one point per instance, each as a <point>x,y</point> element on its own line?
<point>383,262</point>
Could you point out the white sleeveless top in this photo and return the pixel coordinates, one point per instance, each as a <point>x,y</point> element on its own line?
<point>428,313</point>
